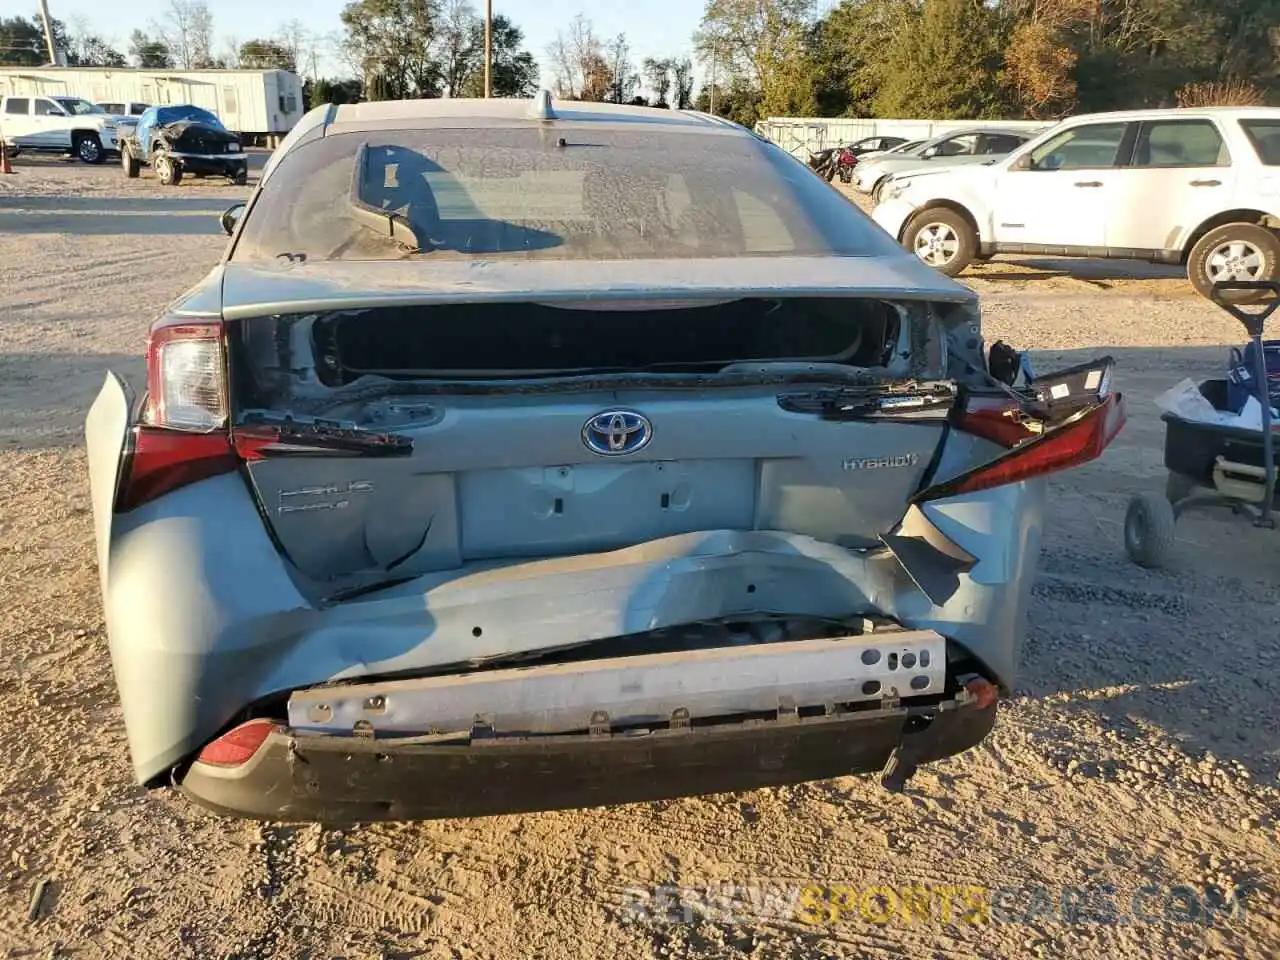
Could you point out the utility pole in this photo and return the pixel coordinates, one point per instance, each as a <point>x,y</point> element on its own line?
<point>713,77</point>
<point>48,32</point>
<point>488,48</point>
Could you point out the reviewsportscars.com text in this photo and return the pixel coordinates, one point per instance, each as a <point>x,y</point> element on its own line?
<point>828,904</point>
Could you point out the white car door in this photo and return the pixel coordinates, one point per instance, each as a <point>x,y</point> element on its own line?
<point>1058,194</point>
<point>49,122</point>
<point>1181,174</point>
<point>17,124</point>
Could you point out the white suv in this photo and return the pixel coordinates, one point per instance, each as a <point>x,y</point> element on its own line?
<point>1190,186</point>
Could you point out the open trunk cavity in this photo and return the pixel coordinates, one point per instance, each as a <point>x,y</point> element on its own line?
<point>392,442</point>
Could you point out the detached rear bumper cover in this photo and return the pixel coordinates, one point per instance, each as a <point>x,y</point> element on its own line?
<point>331,779</point>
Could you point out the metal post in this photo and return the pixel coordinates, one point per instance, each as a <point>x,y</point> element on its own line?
<point>1268,444</point>
<point>713,77</point>
<point>48,32</point>
<point>488,48</point>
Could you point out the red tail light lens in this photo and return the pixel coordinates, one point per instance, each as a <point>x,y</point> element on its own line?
<point>998,419</point>
<point>164,460</point>
<point>1076,442</point>
<point>237,746</point>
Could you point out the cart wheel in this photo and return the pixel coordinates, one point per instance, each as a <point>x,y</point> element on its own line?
<point>1148,530</point>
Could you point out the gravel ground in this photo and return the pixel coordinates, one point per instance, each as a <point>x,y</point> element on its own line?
<point>1140,747</point>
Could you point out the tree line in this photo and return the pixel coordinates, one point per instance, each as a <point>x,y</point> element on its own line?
<point>393,49</point>
<point>986,59</point>
<point>944,59</point>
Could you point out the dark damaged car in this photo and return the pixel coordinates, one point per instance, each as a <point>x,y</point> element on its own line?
<point>177,141</point>
<point>526,456</point>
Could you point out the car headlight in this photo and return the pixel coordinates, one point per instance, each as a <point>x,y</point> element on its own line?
<point>233,146</point>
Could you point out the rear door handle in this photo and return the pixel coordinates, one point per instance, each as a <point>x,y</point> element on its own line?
<point>1206,183</point>
<point>1088,183</point>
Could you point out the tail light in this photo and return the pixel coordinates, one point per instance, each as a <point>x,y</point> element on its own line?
<point>998,419</point>
<point>183,436</point>
<point>1079,440</point>
<point>187,377</point>
<point>238,745</point>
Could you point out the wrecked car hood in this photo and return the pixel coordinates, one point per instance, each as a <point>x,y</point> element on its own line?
<point>156,117</point>
<point>198,128</point>
<point>250,290</point>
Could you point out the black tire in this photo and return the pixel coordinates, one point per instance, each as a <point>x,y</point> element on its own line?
<point>132,166</point>
<point>88,148</point>
<point>877,192</point>
<point>942,238</point>
<point>1238,251</point>
<point>168,170</point>
<point>241,176</point>
<point>1149,530</point>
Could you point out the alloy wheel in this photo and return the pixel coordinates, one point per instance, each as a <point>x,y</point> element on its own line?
<point>1235,260</point>
<point>937,244</point>
<point>89,150</point>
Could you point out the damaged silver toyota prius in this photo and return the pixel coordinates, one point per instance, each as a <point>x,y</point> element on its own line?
<point>529,455</point>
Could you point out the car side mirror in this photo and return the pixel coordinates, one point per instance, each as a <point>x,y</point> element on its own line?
<point>230,218</point>
<point>930,153</point>
<point>1022,163</point>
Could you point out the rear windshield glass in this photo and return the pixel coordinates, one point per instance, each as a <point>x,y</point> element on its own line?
<point>567,192</point>
<point>1265,135</point>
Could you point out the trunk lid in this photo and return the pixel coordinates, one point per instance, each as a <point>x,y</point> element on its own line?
<point>434,430</point>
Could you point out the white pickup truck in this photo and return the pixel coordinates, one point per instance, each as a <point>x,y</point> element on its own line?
<point>58,124</point>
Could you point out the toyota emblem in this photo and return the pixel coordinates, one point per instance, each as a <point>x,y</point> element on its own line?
<point>616,432</point>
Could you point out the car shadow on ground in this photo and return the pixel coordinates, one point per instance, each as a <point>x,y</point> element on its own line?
<point>105,223</point>
<point>1048,268</point>
<point>30,204</point>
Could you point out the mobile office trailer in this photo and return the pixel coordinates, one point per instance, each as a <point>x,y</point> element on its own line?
<point>257,104</point>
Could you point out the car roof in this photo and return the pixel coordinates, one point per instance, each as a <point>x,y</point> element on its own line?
<point>1170,112</point>
<point>959,131</point>
<point>472,111</point>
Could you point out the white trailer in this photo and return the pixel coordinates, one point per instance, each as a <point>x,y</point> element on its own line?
<point>801,136</point>
<point>254,103</point>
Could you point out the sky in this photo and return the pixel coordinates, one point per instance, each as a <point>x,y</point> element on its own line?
<point>654,28</point>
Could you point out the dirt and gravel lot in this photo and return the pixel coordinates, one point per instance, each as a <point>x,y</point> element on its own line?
<point>1140,747</point>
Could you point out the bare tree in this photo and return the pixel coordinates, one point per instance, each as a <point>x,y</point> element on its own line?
<point>303,46</point>
<point>682,69</point>
<point>1221,93</point>
<point>623,79</point>
<point>86,49</point>
<point>187,30</point>
<point>578,63</point>
<point>230,54</point>
<point>455,44</point>
<point>658,75</point>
